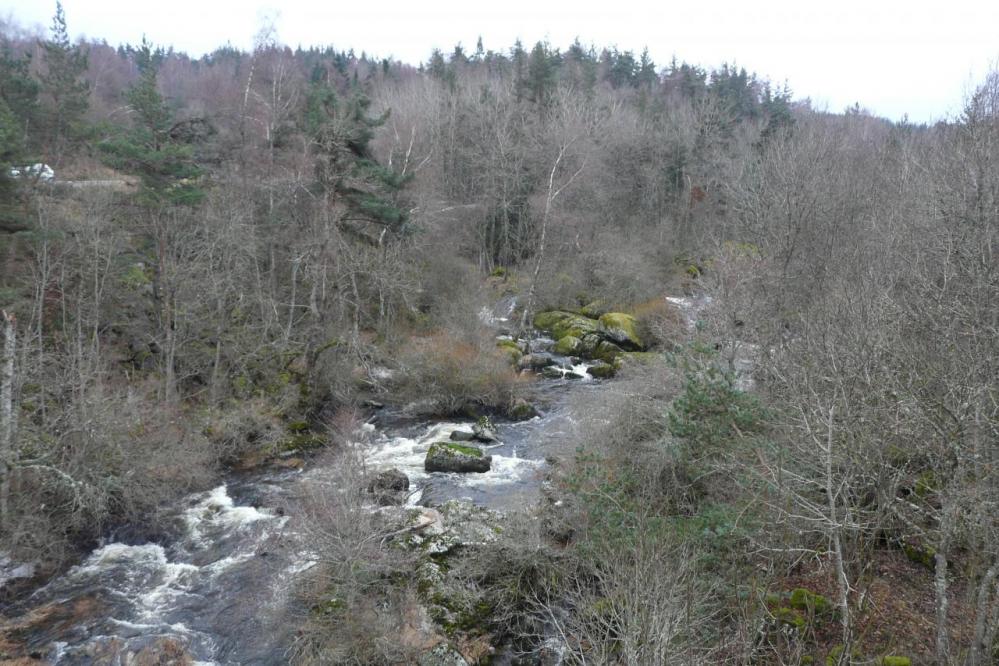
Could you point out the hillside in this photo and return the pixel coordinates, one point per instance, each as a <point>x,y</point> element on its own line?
<point>733,361</point>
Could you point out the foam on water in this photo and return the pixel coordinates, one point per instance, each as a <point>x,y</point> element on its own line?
<point>505,469</point>
<point>408,454</point>
<point>218,510</point>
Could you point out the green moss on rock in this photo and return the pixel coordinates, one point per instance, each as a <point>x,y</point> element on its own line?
<point>461,448</point>
<point>511,348</point>
<point>452,457</point>
<point>560,324</point>
<point>593,310</point>
<point>895,661</point>
<point>602,370</point>
<point>569,346</point>
<point>622,329</point>
<point>608,352</point>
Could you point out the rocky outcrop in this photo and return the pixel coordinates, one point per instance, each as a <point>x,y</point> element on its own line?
<point>451,457</point>
<point>603,339</point>
<point>560,324</point>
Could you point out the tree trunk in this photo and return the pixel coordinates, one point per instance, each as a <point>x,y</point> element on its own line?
<point>843,582</point>
<point>7,426</point>
<point>983,612</point>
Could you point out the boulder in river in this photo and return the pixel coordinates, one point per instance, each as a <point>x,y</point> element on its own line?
<point>534,362</point>
<point>512,349</point>
<point>589,344</point>
<point>602,370</point>
<point>451,457</point>
<point>552,373</point>
<point>484,430</point>
<point>390,480</point>
<point>607,352</point>
<point>569,346</point>
<point>462,436</point>
<point>622,329</point>
<point>561,324</point>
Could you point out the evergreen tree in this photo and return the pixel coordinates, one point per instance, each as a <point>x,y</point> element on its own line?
<point>11,154</point>
<point>519,58</point>
<point>541,73</point>
<point>647,70</point>
<point>18,111</point>
<point>19,89</point>
<point>65,90</point>
<point>346,172</point>
<point>151,149</point>
<point>777,107</point>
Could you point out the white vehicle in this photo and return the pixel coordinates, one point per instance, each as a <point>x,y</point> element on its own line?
<point>37,171</point>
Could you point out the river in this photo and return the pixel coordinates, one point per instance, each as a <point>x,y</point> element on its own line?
<point>219,589</point>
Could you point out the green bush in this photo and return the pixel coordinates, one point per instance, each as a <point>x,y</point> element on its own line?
<point>711,411</point>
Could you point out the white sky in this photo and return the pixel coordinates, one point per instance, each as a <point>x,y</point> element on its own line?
<point>892,57</point>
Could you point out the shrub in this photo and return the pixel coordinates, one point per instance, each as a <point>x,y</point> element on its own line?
<point>443,375</point>
<point>711,411</point>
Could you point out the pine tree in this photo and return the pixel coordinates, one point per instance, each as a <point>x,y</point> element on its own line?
<point>541,74</point>
<point>19,89</point>
<point>647,70</point>
<point>11,152</point>
<point>149,149</point>
<point>346,172</point>
<point>18,114</point>
<point>63,86</point>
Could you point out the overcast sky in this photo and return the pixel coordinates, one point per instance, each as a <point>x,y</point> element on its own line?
<point>894,58</point>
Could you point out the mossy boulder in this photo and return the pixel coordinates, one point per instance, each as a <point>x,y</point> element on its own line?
<point>622,329</point>
<point>560,324</point>
<point>512,349</point>
<point>589,344</point>
<point>593,310</point>
<point>602,370</point>
<point>608,352</point>
<point>451,457</point>
<point>894,661</point>
<point>569,346</point>
<point>534,362</point>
